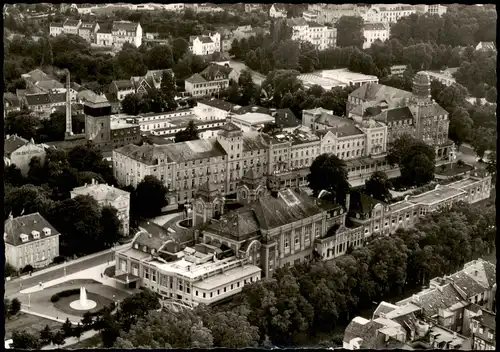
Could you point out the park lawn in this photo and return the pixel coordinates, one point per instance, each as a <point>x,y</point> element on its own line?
<point>91,342</point>
<point>452,171</point>
<point>29,322</point>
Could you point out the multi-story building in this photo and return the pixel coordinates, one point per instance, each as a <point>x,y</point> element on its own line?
<point>210,81</point>
<point>88,31</point>
<point>278,11</point>
<point>106,195</point>
<point>30,240</point>
<point>212,109</point>
<point>373,32</point>
<point>483,329</point>
<point>19,152</point>
<point>310,16</point>
<point>387,13</point>
<point>330,13</point>
<point>320,36</point>
<point>10,103</point>
<point>104,36</point>
<point>56,28</point>
<point>342,77</point>
<point>126,32</point>
<point>404,112</point>
<point>439,317</point>
<point>205,44</point>
<point>120,89</point>
<point>71,26</point>
<point>107,132</point>
<point>44,104</point>
<point>435,9</point>
<point>442,77</point>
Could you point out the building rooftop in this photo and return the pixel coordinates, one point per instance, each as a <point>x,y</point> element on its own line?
<point>13,143</point>
<point>311,79</point>
<point>254,141</point>
<point>217,103</point>
<point>396,114</point>
<point>346,76</point>
<point>125,26</point>
<point>196,78</point>
<point>375,27</point>
<point>193,150</point>
<point>227,277</point>
<point>487,319</point>
<point>100,192</point>
<point>26,224</point>
<point>71,23</point>
<point>255,118</point>
<point>119,123</point>
<point>435,196</point>
<point>379,93</point>
<point>123,84</point>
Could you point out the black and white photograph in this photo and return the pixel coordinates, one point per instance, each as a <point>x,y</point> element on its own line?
<point>250,175</point>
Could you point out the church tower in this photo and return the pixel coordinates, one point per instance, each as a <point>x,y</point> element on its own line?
<point>251,187</point>
<point>208,203</point>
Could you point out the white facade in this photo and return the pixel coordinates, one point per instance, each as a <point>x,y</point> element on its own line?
<point>277,12</point>
<point>388,13</point>
<point>206,45</point>
<point>104,38</point>
<point>374,31</point>
<point>126,32</point>
<point>321,37</point>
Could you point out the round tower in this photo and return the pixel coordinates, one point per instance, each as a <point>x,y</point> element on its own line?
<point>422,87</point>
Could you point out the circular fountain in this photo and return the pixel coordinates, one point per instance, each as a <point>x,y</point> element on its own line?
<point>83,303</point>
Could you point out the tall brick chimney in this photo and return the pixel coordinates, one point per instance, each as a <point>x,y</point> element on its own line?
<point>69,127</point>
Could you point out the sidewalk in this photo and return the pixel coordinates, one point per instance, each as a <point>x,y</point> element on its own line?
<point>68,341</point>
<point>91,273</point>
<point>70,262</point>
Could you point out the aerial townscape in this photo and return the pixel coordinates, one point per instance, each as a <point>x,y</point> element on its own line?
<point>250,175</point>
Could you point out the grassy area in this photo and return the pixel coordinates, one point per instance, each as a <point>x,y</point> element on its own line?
<point>452,169</point>
<point>64,302</point>
<point>91,342</point>
<point>28,322</point>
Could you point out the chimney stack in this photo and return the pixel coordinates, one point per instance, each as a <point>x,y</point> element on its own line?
<point>69,126</point>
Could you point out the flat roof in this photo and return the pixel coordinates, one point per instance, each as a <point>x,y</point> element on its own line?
<point>192,270</point>
<point>227,277</point>
<point>254,118</point>
<point>440,75</point>
<point>136,254</point>
<point>343,75</point>
<point>463,183</point>
<point>401,205</point>
<point>312,79</point>
<point>121,123</point>
<point>435,196</point>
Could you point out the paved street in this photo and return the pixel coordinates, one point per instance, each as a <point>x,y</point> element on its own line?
<point>12,287</point>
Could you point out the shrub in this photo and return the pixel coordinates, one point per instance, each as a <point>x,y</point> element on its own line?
<point>15,307</point>
<point>59,259</point>
<point>27,269</point>
<point>56,297</point>
<point>9,270</point>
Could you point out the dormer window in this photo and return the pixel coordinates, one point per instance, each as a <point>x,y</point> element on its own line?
<point>145,249</point>
<point>46,231</point>
<point>36,234</point>
<point>153,251</point>
<point>24,237</point>
<point>136,246</point>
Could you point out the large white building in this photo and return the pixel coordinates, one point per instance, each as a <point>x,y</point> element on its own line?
<point>205,44</point>
<point>106,195</point>
<point>375,31</point>
<point>330,13</point>
<point>435,9</point>
<point>277,11</point>
<point>387,13</point>
<point>320,36</point>
<point>126,32</point>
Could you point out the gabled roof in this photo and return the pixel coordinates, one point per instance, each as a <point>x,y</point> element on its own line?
<point>13,143</point>
<point>212,70</point>
<point>105,27</point>
<point>100,192</point>
<point>14,227</point>
<point>38,75</point>
<point>123,84</point>
<point>279,7</point>
<point>374,27</point>
<point>315,24</point>
<point>286,118</point>
<point>241,223</point>
<point>12,99</point>
<point>125,25</point>
<point>378,92</point>
<point>230,127</point>
<point>71,23</point>
<point>196,78</point>
<point>487,319</point>
<point>56,24</point>
<point>149,240</point>
<point>431,300</point>
<point>486,46</point>
<point>38,99</point>
<point>397,114</point>
<point>362,203</point>
<point>428,110</point>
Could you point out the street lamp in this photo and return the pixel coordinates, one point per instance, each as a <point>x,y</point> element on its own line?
<point>29,300</point>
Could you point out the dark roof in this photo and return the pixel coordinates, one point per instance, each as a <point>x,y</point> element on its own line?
<point>14,227</point>
<point>230,127</point>
<point>205,39</point>
<point>315,24</point>
<point>13,143</point>
<point>487,319</point>
<point>105,27</point>
<point>286,118</point>
<point>217,103</point>
<point>12,99</point>
<point>362,203</point>
<point>38,99</point>
<point>379,92</point>
<point>366,332</point>
<point>211,71</point>
<point>397,114</point>
<point>253,141</point>
<point>241,224</point>
<point>149,240</point>
<point>123,84</point>
<point>56,24</point>
<point>71,23</point>
<point>196,78</point>
<point>241,110</point>
<point>429,111</point>
<point>58,97</point>
<point>252,178</point>
<point>443,297</point>
<point>124,25</point>
<point>374,27</point>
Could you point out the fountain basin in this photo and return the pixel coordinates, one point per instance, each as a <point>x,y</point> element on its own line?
<point>77,305</point>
